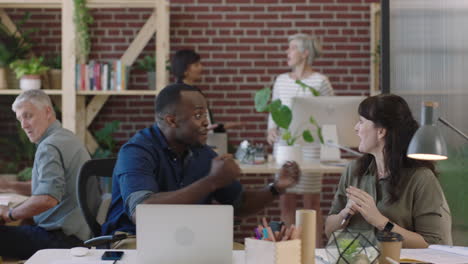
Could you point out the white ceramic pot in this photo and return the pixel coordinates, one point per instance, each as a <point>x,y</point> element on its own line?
<point>29,82</point>
<point>288,153</point>
<point>311,153</point>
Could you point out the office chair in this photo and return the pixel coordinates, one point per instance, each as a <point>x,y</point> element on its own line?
<point>95,168</point>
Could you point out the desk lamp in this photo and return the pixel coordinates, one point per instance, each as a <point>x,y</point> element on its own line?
<point>428,142</point>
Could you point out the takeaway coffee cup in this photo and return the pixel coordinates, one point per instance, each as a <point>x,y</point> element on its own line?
<point>390,246</point>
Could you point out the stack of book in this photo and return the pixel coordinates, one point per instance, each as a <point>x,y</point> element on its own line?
<point>102,76</point>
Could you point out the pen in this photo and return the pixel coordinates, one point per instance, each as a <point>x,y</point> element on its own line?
<point>345,219</point>
<point>257,234</point>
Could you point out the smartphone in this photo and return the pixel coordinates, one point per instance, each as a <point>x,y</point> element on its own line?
<point>112,255</point>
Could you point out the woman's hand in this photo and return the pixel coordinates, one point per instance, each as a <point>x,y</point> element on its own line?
<point>365,205</point>
<point>272,135</point>
<point>348,210</point>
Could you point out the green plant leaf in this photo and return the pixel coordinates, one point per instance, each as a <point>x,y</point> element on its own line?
<point>310,88</point>
<point>312,120</point>
<point>25,174</point>
<point>275,105</point>
<point>307,136</point>
<point>261,99</point>
<point>32,66</point>
<point>282,116</point>
<point>319,132</point>
<point>286,135</point>
<point>105,140</point>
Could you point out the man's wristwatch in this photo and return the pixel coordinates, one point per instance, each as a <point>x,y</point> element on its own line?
<point>273,189</point>
<point>388,226</point>
<point>10,215</point>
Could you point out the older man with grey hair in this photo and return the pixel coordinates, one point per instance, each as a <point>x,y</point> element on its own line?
<point>58,222</point>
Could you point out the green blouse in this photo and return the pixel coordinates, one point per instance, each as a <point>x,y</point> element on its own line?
<point>422,207</point>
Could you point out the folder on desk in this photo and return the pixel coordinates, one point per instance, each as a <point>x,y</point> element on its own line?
<point>437,254</point>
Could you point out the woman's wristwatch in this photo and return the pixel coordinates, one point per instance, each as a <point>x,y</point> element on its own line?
<point>388,226</point>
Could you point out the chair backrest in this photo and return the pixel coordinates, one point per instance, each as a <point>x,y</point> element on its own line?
<point>92,168</point>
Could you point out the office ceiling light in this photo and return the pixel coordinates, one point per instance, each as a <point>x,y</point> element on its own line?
<point>428,142</point>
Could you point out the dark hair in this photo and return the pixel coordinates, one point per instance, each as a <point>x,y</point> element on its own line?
<point>169,97</point>
<point>391,112</point>
<point>181,61</point>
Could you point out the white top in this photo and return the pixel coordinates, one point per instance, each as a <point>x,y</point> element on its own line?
<point>285,88</point>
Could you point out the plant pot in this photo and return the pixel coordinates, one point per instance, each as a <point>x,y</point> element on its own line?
<point>151,80</point>
<point>29,82</point>
<point>288,153</point>
<point>311,153</point>
<point>55,79</point>
<point>3,78</point>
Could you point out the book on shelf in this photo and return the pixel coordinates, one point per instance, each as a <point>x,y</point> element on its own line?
<point>102,76</point>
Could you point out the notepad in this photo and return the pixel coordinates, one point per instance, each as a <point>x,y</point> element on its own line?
<point>12,200</point>
<point>5,200</point>
<point>436,254</point>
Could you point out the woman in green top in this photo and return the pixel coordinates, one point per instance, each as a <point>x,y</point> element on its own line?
<point>386,190</point>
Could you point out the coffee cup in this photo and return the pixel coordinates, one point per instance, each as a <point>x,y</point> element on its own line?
<point>390,246</point>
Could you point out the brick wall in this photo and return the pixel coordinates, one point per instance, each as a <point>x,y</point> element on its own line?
<point>242,44</point>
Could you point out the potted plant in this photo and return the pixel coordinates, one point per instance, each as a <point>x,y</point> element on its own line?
<point>29,72</point>
<point>82,19</point>
<point>148,64</point>
<point>107,144</point>
<point>282,116</point>
<point>17,167</point>
<point>13,46</point>
<point>55,72</point>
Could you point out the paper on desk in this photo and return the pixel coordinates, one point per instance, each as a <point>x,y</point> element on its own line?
<point>4,200</point>
<point>12,200</point>
<point>432,256</point>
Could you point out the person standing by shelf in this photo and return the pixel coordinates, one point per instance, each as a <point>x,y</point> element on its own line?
<point>187,68</point>
<point>302,51</point>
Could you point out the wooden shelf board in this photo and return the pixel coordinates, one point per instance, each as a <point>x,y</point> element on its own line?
<point>18,91</point>
<point>91,3</point>
<point>431,92</point>
<point>126,92</point>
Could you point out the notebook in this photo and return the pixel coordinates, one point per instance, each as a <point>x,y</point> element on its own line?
<point>176,234</point>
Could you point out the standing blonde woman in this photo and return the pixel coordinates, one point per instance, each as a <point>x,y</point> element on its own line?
<point>302,51</point>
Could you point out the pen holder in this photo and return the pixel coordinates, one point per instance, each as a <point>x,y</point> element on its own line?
<point>268,252</point>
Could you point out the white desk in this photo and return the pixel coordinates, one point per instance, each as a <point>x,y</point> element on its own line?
<point>272,167</point>
<point>63,256</point>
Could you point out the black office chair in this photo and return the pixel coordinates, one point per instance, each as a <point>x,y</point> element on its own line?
<point>94,168</point>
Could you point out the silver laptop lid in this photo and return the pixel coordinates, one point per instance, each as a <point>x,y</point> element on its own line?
<point>173,234</point>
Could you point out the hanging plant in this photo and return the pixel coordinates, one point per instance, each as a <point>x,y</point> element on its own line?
<point>82,19</point>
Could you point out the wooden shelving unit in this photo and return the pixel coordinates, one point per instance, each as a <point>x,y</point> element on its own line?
<point>76,114</point>
<point>18,91</point>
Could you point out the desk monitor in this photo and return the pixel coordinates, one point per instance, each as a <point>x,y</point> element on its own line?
<point>341,111</point>
<point>176,234</point>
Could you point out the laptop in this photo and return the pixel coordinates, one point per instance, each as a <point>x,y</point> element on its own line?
<point>181,234</point>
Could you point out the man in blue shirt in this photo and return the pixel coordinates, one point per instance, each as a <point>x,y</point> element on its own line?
<point>169,163</point>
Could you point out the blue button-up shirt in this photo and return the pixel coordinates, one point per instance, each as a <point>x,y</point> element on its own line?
<point>146,165</point>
